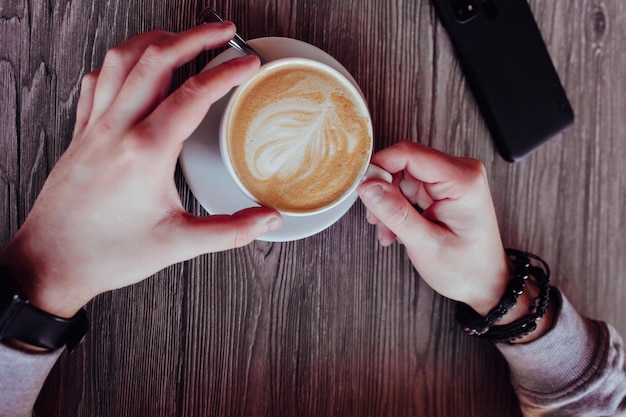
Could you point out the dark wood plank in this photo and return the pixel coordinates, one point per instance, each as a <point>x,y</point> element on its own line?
<point>333,324</point>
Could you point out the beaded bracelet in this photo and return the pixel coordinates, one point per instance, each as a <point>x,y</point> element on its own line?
<point>476,325</point>
<point>527,324</point>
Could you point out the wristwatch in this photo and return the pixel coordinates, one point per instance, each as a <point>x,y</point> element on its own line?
<point>21,321</point>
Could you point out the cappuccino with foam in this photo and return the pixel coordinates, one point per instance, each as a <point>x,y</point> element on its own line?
<point>298,136</point>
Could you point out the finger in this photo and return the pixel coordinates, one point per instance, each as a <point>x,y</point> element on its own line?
<point>180,114</point>
<point>217,233</point>
<point>415,192</point>
<point>384,235</point>
<point>422,162</point>
<point>371,218</point>
<point>410,189</point>
<point>85,101</point>
<point>444,176</point>
<point>394,211</point>
<point>145,86</point>
<point>118,63</point>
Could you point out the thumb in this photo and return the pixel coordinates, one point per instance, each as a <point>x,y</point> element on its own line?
<point>392,209</point>
<point>221,232</point>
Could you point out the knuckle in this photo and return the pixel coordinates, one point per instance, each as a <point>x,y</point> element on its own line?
<point>114,57</point>
<point>476,166</point>
<point>398,214</point>
<point>128,153</point>
<point>241,237</point>
<point>104,129</point>
<point>193,84</point>
<point>191,87</point>
<point>154,54</point>
<point>243,229</point>
<point>89,80</point>
<point>474,171</point>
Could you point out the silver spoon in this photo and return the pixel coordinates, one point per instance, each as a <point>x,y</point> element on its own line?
<point>209,15</point>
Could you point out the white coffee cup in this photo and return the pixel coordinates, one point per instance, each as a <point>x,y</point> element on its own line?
<point>298,137</point>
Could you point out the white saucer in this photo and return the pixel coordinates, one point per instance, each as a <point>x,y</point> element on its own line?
<point>206,174</point>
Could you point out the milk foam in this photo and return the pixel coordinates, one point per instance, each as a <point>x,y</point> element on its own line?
<point>293,130</point>
<point>299,140</point>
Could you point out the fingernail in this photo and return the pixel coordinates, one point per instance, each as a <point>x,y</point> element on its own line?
<point>250,58</point>
<point>373,194</point>
<point>224,24</point>
<point>272,224</point>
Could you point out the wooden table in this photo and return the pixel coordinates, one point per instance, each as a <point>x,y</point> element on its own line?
<point>332,324</point>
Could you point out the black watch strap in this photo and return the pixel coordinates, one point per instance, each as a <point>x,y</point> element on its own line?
<point>20,320</point>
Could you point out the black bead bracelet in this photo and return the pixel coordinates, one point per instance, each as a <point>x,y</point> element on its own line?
<point>527,324</point>
<point>522,268</point>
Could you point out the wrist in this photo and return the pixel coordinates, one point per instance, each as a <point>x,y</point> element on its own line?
<point>26,327</point>
<point>39,281</point>
<point>493,285</point>
<point>522,313</point>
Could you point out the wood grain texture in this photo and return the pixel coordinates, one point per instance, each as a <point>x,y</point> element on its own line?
<point>333,324</point>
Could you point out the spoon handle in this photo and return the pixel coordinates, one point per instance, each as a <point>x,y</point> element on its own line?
<point>209,15</point>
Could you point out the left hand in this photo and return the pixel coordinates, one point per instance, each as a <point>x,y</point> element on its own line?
<point>109,215</point>
<point>454,243</point>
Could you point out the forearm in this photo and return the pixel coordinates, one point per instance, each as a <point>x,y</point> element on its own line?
<point>576,368</point>
<point>41,281</point>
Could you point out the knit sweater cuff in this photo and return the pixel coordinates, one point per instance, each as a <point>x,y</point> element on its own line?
<point>545,365</point>
<point>22,375</point>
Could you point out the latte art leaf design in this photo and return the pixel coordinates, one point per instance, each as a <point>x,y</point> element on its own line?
<point>299,142</point>
<point>304,144</point>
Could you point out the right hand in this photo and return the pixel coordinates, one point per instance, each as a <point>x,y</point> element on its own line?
<point>455,243</point>
<point>109,214</point>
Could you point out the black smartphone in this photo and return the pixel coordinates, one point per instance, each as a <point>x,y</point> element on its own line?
<point>509,72</point>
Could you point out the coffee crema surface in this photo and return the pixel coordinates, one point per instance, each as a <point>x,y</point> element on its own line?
<point>298,139</point>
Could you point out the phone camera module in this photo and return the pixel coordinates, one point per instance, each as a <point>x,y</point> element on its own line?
<point>464,10</point>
